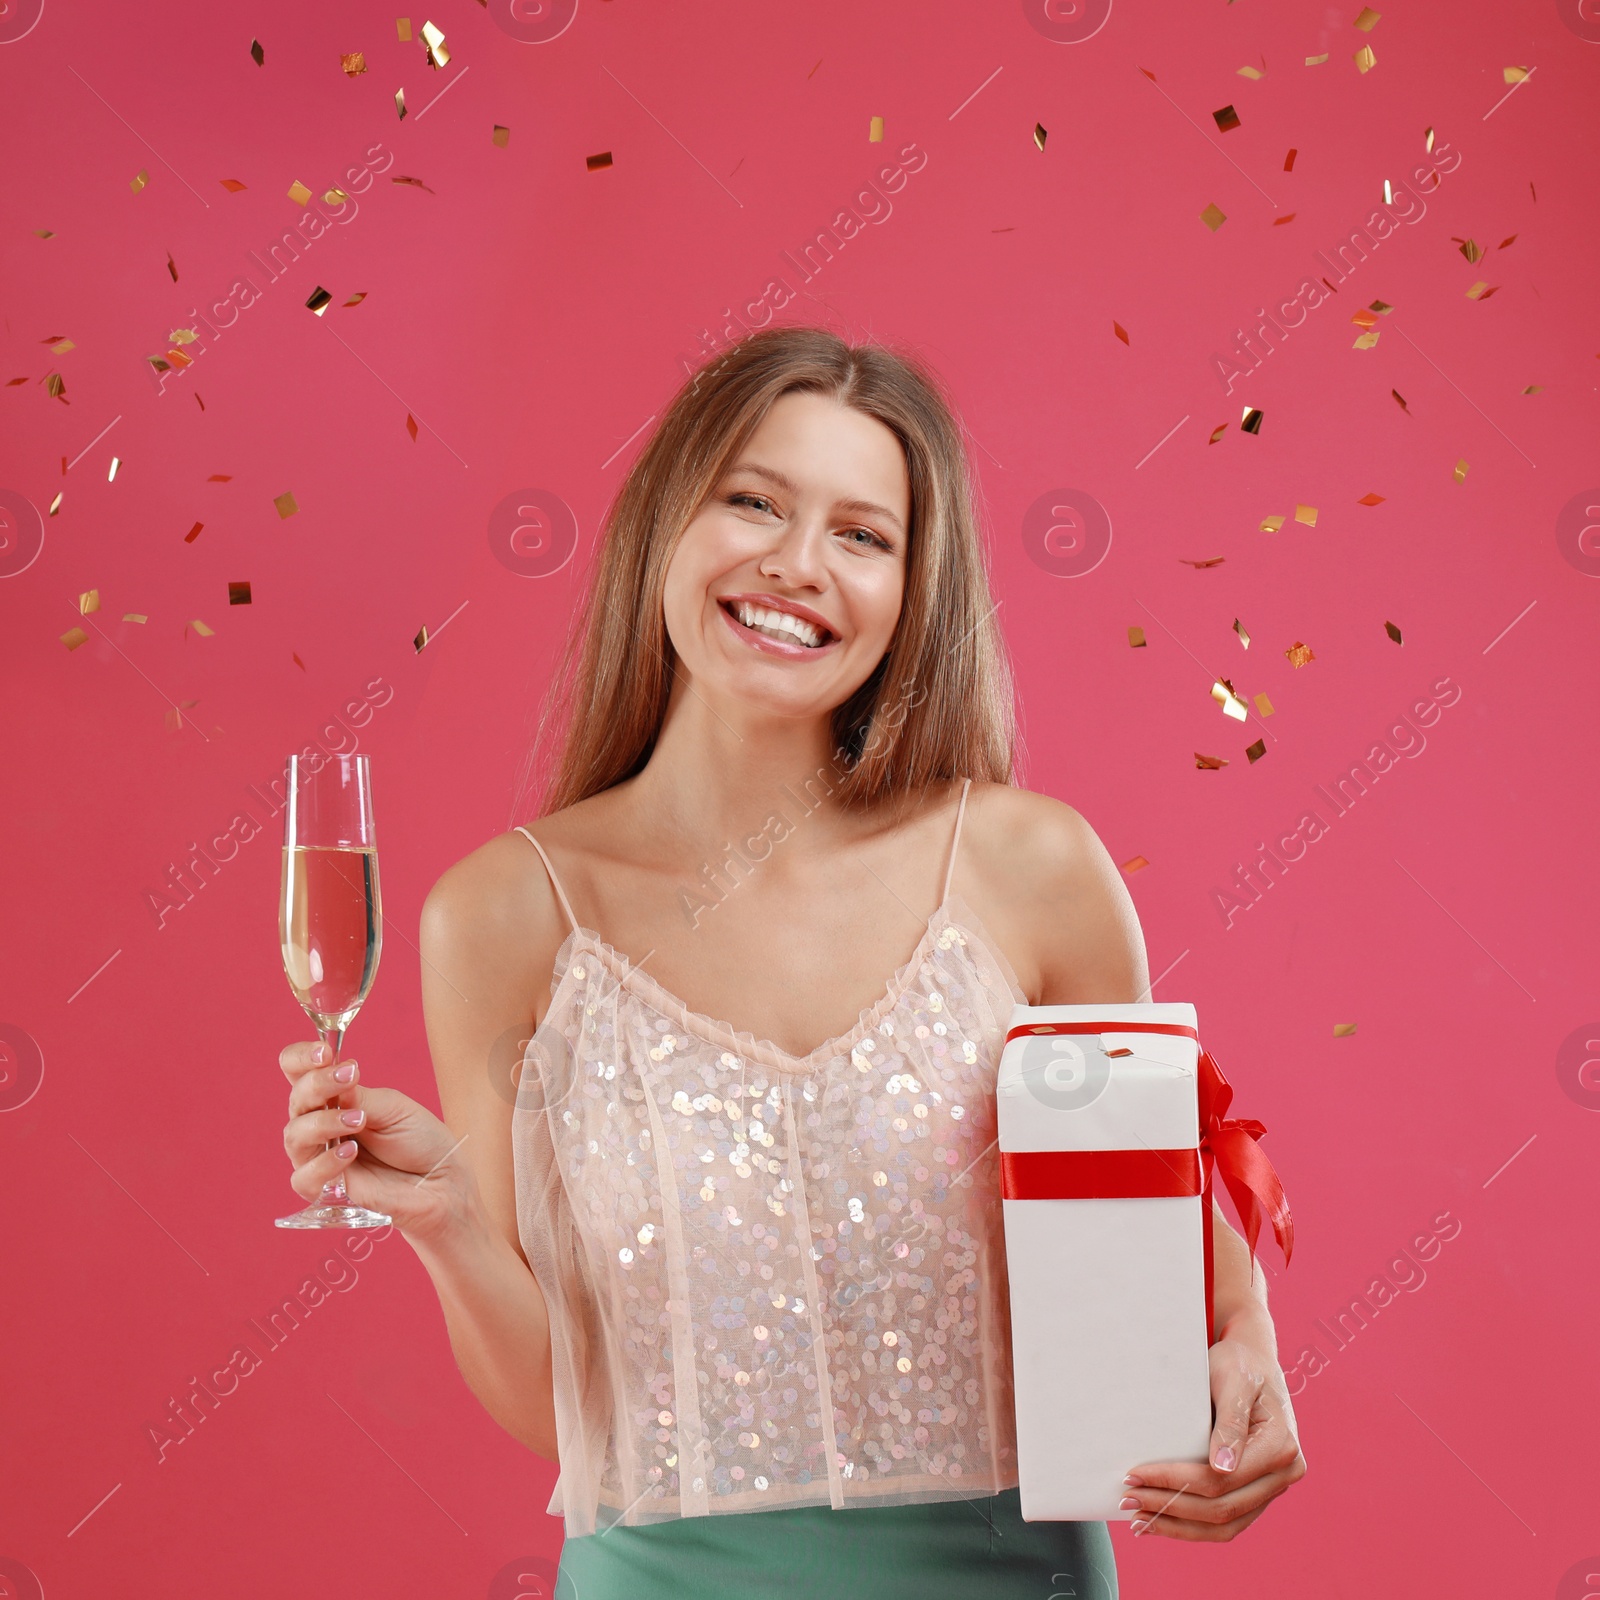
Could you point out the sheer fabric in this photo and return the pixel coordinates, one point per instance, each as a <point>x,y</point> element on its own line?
<point>772,1280</point>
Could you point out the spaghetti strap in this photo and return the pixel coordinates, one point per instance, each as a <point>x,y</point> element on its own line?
<point>955,840</point>
<point>555,882</point>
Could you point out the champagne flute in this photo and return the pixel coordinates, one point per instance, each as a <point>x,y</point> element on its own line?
<point>330,923</point>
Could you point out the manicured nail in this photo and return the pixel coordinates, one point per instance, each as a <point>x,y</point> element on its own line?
<point>320,1054</point>
<point>1138,1528</point>
<point>1134,1481</point>
<point>1225,1459</point>
<point>1128,1504</point>
<point>346,1150</point>
<point>352,1119</point>
<point>345,1073</point>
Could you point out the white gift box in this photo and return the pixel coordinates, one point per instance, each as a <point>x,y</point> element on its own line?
<point>1109,1319</point>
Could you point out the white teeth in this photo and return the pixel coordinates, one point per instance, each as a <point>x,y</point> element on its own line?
<point>778,622</point>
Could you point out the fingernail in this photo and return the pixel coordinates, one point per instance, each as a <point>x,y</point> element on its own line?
<point>345,1073</point>
<point>1225,1459</point>
<point>352,1119</point>
<point>346,1150</point>
<point>1128,1504</point>
<point>1133,1480</point>
<point>320,1054</point>
<point>1138,1528</point>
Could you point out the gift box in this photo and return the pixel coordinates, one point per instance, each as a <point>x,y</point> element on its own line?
<point>1111,1124</point>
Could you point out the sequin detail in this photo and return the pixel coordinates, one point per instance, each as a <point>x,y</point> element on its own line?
<point>773,1280</point>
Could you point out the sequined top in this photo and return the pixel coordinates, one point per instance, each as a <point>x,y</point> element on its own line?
<point>772,1280</point>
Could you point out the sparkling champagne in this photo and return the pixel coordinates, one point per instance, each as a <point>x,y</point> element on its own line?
<point>332,929</point>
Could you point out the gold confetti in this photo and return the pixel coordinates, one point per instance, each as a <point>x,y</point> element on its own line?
<point>433,44</point>
<point>1368,20</point>
<point>501,136</point>
<point>400,103</point>
<point>1534,388</point>
<point>1343,1030</point>
<point>411,426</point>
<point>1263,705</point>
<point>183,336</point>
<point>1393,632</point>
<point>875,131</point>
<point>1470,248</point>
<point>1251,420</point>
<point>193,533</point>
<point>134,616</point>
<point>1370,500</point>
<point>1427,140</point>
<point>204,632</point>
<point>116,461</point>
<point>1209,763</point>
<point>44,233</point>
<point>11,383</point>
<point>1400,400</point>
<point>220,477</point>
<point>354,65</point>
<point>1257,750</point>
<point>1121,332</point>
<point>1148,73</point>
<point>356,299</point>
<point>1288,160</point>
<point>421,639</point>
<point>1136,639</point>
<point>1039,134</point>
<point>138,182</point>
<point>1299,654</point>
<point>1134,864</point>
<point>88,601</point>
<point>1217,432</point>
<point>334,197</point>
<point>1210,561</point>
<point>595,163</point>
<point>1364,58</point>
<point>73,637</point>
<point>257,53</point>
<point>238,594</point>
<point>1227,119</point>
<point>55,386</point>
<point>1479,291</point>
<point>1504,242</point>
<point>416,183</point>
<point>1366,341</point>
<point>1381,307</point>
<point>1388,192</point>
<point>1272,524</point>
<point>61,346</point>
<point>1213,216</point>
<point>232,185</point>
<point>1278,222</point>
<point>172,266</point>
<point>402,27</point>
<point>1517,74</point>
<point>320,300</point>
<point>1249,72</point>
<point>299,193</point>
<point>1222,691</point>
<point>286,505</point>
<point>1238,628</point>
<point>1461,472</point>
<point>1316,61</point>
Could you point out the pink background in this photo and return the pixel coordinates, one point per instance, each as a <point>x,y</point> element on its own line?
<point>533,316</point>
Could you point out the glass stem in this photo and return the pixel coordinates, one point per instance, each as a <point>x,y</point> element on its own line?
<point>333,1191</point>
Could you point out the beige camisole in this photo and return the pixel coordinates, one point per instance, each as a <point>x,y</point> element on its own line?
<point>772,1280</point>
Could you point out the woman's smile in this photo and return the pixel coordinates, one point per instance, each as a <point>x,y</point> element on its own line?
<point>778,627</point>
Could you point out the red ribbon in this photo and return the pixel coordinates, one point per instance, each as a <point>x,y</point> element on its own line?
<point>1230,1145</point>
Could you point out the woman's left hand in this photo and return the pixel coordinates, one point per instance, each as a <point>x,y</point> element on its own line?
<point>1255,1454</point>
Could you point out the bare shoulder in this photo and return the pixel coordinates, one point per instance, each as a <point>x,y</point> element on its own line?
<point>1056,895</point>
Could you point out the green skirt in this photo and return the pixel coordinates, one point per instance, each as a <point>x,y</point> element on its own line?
<point>954,1548</point>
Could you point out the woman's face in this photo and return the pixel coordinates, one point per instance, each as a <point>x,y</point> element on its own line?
<point>786,587</point>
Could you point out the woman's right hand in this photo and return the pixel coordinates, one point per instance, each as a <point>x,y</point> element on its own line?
<point>394,1155</point>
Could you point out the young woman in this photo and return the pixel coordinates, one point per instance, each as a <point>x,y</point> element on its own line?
<point>737,1281</point>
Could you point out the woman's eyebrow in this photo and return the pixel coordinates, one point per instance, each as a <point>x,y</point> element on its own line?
<point>789,486</point>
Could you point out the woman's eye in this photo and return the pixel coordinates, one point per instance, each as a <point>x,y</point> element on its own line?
<point>748,499</point>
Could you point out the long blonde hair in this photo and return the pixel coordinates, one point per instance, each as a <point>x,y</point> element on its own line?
<point>939,704</point>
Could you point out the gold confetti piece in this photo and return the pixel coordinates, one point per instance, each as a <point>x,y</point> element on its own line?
<point>875,131</point>
<point>286,505</point>
<point>416,183</point>
<point>1299,654</point>
<point>134,616</point>
<point>356,299</point>
<point>1461,472</point>
<point>44,233</point>
<point>73,637</point>
<point>1388,192</point>
<point>1134,864</point>
<point>1393,632</point>
<point>595,163</point>
<point>1343,1030</point>
<point>1400,400</point>
<point>1516,74</point>
<point>257,53</point>
<point>88,601</point>
<point>193,533</point>
<point>183,336</point>
<point>232,185</point>
<point>1364,58</point>
<point>1136,639</point>
<point>433,44</point>
<point>1288,160</point>
<point>320,301</point>
<point>411,426</point>
<point>297,661</point>
<point>1213,216</point>
<point>1121,332</point>
<point>335,197</point>
<point>61,346</point>
<point>1365,318</point>
<point>1307,515</point>
<point>1249,72</point>
<point>420,640</point>
<point>1227,119</point>
<point>1040,134</point>
<point>238,594</point>
<point>501,136</point>
<point>200,628</point>
<point>400,103</point>
<point>1263,705</point>
<point>1504,242</point>
<point>1148,73</point>
<point>1316,61</point>
<point>1427,140</point>
<point>1369,19</point>
<point>1370,500</point>
<point>1209,763</point>
<point>1533,388</point>
<point>172,266</point>
<point>1381,307</point>
<point>1278,222</point>
<point>1238,628</point>
<point>138,182</point>
<point>1366,341</point>
<point>1476,291</point>
<point>116,461</point>
<point>402,27</point>
<point>159,363</point>
<point>220,477</point>
<point>1271,524</point>
<point>179,359</point>
<point>1210,561</point>
<point>1251,420</point>
<point>299,193</point>
<point>1217,432</point>
<point>1470,248</point>
<point>354,65</point>
<point>55,386</point>
<point>198,401</point>
<point>1257,750</point>
<point>11,383</point>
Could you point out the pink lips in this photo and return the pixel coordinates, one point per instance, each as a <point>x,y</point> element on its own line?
<point>775,647</point>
